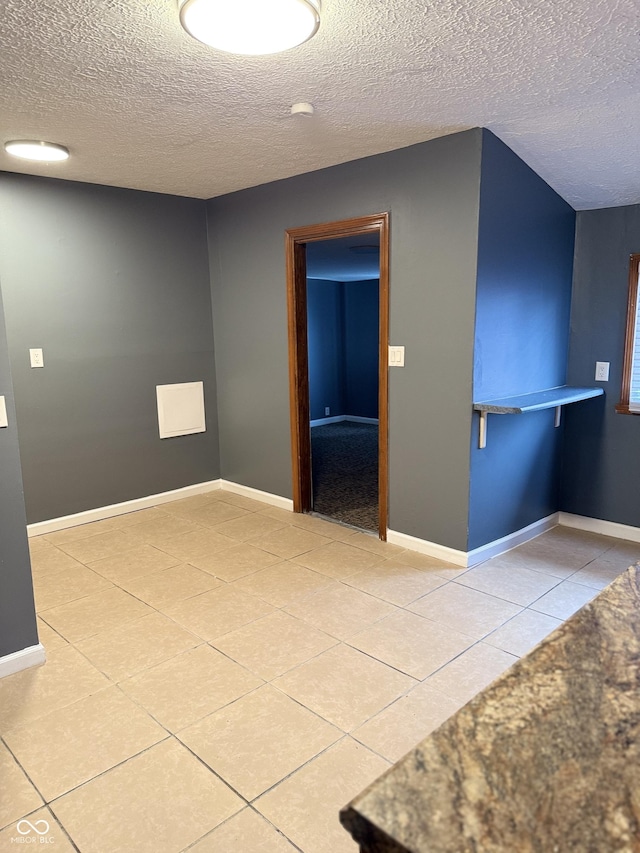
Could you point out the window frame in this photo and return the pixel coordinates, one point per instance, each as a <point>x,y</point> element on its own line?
<point>631,334</point>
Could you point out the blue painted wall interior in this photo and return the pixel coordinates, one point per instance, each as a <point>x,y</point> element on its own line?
<point>362,324</point>
<point>523,296</point>
<point>325,331</point>
<point>601,452</point>
<point>343,328</point>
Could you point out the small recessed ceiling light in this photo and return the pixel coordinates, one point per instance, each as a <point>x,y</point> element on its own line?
<point>251,27</point>
<point>28,149</point>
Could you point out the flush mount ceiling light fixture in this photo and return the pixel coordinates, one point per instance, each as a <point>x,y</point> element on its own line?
<point>251,27</point>
<point>29,149</point>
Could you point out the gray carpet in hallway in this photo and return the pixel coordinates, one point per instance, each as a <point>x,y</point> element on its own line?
<point>345,472</point>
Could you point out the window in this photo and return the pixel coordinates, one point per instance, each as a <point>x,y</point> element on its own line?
<point>630,394</point>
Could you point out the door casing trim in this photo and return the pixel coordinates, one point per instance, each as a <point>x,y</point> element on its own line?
<point>295,240</point>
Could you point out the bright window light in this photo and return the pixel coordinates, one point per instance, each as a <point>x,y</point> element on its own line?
<point>251,27</point>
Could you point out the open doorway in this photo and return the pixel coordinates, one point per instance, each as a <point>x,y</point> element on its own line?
<point>371,231</point>
<point>343,308</point>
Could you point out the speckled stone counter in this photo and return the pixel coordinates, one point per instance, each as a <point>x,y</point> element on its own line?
<point>545,760</point>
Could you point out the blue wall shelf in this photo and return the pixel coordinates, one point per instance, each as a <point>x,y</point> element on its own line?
<point>551,398</point>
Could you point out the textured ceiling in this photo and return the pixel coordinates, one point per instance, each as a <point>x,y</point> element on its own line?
<point>141,104</point>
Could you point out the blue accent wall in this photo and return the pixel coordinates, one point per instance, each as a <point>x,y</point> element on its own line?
<point>523,295</point>
<point>362,323</point>
<point>325,329</point>
<point>601,454</point>
<point>343,320</point>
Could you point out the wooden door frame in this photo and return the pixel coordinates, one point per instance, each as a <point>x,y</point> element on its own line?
<point>295,240</point>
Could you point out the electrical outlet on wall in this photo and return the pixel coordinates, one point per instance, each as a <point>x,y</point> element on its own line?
<point>36,358</point>
<point>327,411</point>
<point>602,371</point>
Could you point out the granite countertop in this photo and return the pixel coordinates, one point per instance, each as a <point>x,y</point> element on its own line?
<point>545,760</point>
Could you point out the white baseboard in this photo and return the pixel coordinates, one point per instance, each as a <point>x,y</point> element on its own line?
<point>338,419</point>
<point>431,549</point>
<point>25,658</point>
<point>113,510</point>
<point>599,525</point>
<point>257,494</point>
<point>506,543</point>
<point>467,559</point>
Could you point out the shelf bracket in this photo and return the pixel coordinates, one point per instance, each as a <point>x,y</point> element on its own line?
<point>532,401</point>
<point>482,438</point>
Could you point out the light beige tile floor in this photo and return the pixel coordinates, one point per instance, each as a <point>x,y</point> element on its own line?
<point>224,675</point>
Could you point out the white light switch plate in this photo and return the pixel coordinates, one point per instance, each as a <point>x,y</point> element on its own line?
<point>3,413</point>
<point>396,356</point>
<point>36,358</point>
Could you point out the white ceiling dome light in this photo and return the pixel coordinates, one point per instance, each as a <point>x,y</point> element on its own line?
<point>30,149</point>
<point>251,27</point>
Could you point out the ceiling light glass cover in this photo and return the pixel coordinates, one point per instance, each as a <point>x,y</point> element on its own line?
<point>28,149</point>
<point>251,27</point>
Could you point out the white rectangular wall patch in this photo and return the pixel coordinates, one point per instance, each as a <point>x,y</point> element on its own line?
<point>180,409</point>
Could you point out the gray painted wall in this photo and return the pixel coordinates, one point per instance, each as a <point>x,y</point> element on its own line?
<point>432,192</point>
<point>601,448</point>
<point>17,614</point>
<point>114,285</point>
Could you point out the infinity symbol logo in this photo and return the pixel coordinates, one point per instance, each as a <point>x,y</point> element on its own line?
<point>24,827</point>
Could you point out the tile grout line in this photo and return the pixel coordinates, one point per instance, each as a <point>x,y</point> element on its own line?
<point>282,609</point>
